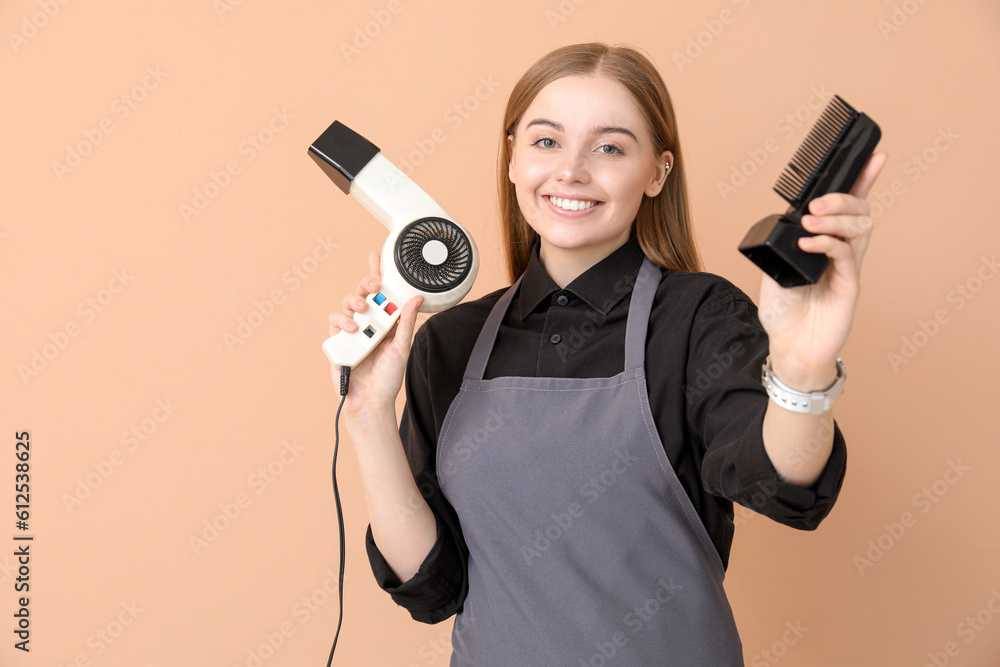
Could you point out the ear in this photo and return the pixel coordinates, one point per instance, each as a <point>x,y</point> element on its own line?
<point>510,161</point>
<point>660,173</point>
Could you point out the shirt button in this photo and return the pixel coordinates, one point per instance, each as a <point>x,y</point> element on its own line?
<point>562,299</point>
<point>555,338</point>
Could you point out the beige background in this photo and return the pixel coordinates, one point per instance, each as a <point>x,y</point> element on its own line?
<point>129,297</point>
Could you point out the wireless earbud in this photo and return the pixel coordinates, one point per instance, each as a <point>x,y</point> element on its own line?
<point>427,253</point>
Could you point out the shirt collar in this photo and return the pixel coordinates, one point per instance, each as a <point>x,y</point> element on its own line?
<point>601,286</point>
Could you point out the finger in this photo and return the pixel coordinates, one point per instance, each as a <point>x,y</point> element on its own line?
<point>847,227</point>
<point>354,303</point>
<point>407,322</point>
<point>838,203</point>
<point>853,202</point>
<point>855,230</point>
<point>841,255</point>
<point>375,266</point>
<point>340,321</point>
<point>868,175</point>
<point>368,285</point>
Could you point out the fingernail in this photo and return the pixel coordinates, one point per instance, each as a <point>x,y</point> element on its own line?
<point>351,326</point>
<point>818,205</point>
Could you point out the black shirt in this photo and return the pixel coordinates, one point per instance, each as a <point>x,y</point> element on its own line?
<point>704,351</point>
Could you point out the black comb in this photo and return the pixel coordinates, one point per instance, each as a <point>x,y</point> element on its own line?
<point>829,160</point>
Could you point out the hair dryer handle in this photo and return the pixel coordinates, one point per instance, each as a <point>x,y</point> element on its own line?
<point>349,348</point>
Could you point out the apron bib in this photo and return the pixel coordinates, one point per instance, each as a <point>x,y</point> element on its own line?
<point>584,549</point>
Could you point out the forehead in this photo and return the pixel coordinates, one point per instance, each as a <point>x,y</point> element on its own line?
<point>582,103</point>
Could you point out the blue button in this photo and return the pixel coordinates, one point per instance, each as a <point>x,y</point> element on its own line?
<point>562,299</point>
<point>379,298</point>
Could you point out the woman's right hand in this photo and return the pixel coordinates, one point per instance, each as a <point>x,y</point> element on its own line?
<point>370,418</point>
<point>376,381</point>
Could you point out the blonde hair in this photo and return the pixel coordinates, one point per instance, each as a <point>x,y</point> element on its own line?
<point>662,225</point>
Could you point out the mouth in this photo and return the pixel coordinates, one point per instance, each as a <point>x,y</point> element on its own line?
<point>567,204</point>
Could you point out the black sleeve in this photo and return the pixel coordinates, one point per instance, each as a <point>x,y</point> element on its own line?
<point>439,587</point>
<point>728,346</point>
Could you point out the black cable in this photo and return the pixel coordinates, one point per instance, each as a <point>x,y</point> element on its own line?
<point>345,381</point>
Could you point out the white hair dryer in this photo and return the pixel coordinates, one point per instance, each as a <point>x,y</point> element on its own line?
<point>426,253</point>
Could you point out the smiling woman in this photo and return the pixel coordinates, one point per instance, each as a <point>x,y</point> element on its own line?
<point>582,159</point>
<point>594,520</point>
<point>628,87</point>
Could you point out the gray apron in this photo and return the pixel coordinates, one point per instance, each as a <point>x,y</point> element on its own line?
<point>584,549</point>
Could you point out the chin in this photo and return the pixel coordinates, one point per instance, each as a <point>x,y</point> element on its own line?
<point>582,243</point>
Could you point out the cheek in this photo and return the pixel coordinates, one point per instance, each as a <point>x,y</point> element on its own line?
<point>527,178</point>
<point>523,196</point>
<point>523,200</point>
<point>529,173</point>
<point>625,187</point>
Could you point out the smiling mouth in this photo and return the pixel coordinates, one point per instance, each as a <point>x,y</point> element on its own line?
<point>572,204</point>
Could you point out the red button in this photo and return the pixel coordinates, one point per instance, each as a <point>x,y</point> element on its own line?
<point>390,308</point>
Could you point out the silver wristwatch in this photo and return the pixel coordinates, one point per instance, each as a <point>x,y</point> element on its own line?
<point>813,403</point>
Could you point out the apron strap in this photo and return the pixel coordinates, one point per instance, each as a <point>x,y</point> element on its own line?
<point>638,314</point>
<point>476,368</point>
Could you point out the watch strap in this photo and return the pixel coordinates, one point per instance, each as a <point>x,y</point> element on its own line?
<point>813,403</point>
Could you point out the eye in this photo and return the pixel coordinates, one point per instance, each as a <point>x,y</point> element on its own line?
<point>610,149</point>
<point>545,142</point>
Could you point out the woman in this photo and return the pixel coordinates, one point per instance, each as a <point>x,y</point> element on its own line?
<point>565,466</point>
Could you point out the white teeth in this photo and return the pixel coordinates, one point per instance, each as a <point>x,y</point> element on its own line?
<point>572,204</point>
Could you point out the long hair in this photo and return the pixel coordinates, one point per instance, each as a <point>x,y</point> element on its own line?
<point>662,225</point>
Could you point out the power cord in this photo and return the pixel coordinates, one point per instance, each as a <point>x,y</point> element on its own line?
<point>345,381</point>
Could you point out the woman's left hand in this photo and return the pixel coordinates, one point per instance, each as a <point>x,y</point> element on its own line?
<point>807,326</point>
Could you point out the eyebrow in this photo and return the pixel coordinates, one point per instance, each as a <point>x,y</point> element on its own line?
<point>596,131</point>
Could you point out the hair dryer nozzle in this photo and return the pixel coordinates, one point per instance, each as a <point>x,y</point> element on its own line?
<point>341,153</point>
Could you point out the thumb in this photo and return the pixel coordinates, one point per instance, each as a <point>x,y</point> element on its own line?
<point>407,322</point>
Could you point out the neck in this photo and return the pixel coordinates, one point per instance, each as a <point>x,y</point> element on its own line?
<point>564,265</point>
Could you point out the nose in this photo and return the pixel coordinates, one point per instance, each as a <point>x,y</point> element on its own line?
<point>573,167</point>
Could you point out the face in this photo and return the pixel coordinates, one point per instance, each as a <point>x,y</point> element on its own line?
<point>581,159</point>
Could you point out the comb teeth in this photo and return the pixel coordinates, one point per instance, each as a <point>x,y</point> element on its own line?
<point>808,160</point>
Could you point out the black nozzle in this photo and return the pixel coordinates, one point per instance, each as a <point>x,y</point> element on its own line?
<point>341,153</point>
<point>773,245</point>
